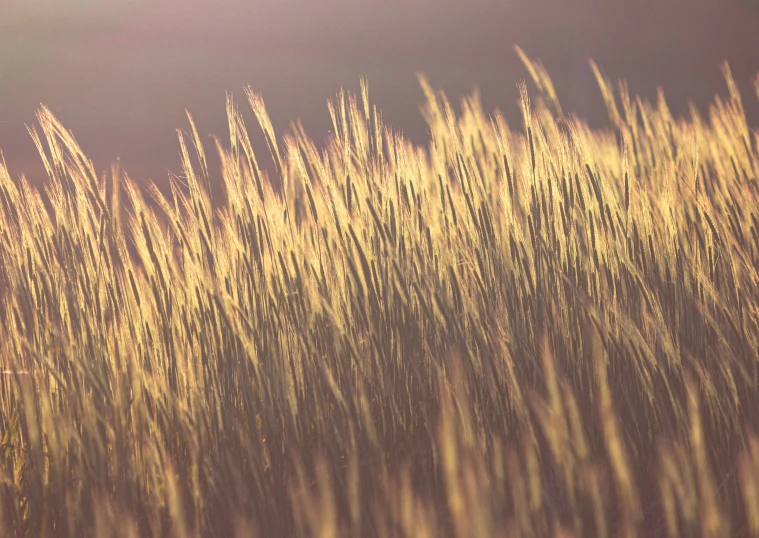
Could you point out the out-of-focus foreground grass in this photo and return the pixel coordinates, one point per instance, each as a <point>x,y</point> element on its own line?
<point>549,331</point>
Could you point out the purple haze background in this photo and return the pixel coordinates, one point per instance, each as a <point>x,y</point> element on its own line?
<point>120,73</point>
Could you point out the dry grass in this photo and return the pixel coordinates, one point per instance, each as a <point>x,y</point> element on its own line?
<point>544,332</point>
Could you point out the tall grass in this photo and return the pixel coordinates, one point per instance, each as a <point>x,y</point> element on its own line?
<point>543,331</point>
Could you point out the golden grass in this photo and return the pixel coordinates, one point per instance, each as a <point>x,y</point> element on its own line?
<point>550,331</point>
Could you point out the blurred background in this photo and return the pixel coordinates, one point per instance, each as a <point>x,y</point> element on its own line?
<point>120,73</point>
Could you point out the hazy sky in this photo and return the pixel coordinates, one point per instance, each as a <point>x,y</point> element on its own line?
<point>120,73</point>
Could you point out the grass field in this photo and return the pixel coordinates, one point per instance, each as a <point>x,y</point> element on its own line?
<point>536,331</point>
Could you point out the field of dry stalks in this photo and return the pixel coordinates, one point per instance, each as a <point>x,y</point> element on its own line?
<point>537,331</point>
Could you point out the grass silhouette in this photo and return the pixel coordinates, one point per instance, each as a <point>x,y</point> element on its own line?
<point>550,331</point>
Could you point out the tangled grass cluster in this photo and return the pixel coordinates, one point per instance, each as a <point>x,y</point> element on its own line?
<point>545,332</point>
